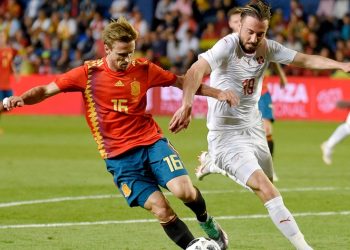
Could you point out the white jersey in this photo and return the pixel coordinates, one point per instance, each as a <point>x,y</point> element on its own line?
<point>233,69</point>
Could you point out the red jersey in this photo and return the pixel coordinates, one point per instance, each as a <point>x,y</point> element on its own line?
<point>6,57</point>
<point>115,102</point>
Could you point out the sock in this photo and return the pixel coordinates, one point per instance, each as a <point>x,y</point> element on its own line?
<point>270,143</point>
<point>339,134</point>
<point>178,232</point>
<point>198,207</point>
<point>285,222</point>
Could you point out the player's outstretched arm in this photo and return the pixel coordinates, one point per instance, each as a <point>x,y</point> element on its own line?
<point>192,81</point>
<point>318,62</point>
<point>228,96</point>
<point>32,96</point>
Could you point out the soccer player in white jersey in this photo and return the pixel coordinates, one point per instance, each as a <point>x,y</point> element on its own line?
<point>236,136</point>
<point>341,132</point>
<point>207,165</point>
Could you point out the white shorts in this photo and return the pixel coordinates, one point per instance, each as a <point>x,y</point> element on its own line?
<point>241,152</point>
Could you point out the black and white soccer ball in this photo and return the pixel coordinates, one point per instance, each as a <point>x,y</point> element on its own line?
<point>203,243</point>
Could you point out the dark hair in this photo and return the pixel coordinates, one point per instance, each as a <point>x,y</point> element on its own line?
<point>258,9</point>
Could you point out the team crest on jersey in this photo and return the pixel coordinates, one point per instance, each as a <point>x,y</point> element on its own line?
<point>260,59</point>
<point>135,88</point>
<point>126,190</point>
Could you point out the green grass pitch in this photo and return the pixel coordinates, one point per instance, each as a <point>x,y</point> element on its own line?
<point>56,194</point>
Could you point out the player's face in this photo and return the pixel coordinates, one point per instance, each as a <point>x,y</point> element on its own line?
<point>120,55</point>
<point>234,22</point>
<point>252,32</point>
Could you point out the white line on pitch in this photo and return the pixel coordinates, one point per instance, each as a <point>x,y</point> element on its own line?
<point>109,196</point>
<point>234,217</point>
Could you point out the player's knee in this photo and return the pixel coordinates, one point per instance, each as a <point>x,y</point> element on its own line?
<point>186,194</point>
<point>183,190</point>
<point>162,211</point>
<point>264,187</point>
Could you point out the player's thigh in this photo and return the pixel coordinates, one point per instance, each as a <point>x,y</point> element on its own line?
<point>165,162</point>
<point>262,152</point>
<point>133,178</point>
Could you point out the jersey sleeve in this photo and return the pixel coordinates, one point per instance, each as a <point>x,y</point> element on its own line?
<point>73,80</point>
<point>158,77</point>
<point>218,53</point>
<point>280,54</point>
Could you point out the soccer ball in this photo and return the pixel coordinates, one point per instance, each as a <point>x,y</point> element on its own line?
<point>203,243</point>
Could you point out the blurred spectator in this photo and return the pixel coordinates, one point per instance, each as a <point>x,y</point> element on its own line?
<point>63,61</point>
<point>45,67</point>
<point>77,59</point>
<point>221,21</point>
<point>340,8</point>
<point>163,7</point>
<point>296,9</point>
<point>40,24</point>
<point>325,8</point>
<point>119,8</point>
<point>184,7</point>
<point>67,27</point>
<point>87,8</point>
<point>210,33</point>
<point>345,29</point>
<point>186,23</point>
<point>97,25</point>
<point>293,43</point>
<point>189,42</point>
<point>139,23</point>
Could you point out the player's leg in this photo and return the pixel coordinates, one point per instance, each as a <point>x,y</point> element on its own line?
<point>266,108</point>
<point>173,226</point>
<point>279,213</point>
<point>242,161</point>
<point>171,174</point>
<point>341,132</point>
<point>140,188</point>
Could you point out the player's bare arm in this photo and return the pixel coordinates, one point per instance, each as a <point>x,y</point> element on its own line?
<point>318,62</point>
<point>204,90</point>
<point>33,96</point>
<point>192,81</point>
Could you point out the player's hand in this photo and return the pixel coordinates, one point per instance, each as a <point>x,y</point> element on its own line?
<point>12,102</point>
<point>343,104</point>
<point>181,119</point>
<point>230,97</point>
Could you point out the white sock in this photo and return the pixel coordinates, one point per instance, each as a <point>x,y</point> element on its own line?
<point>285,222</point>
<point>339,134</point>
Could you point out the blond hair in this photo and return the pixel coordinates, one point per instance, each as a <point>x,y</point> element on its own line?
<point>258,9</point>
<point>234,11</point>
<point>120,30</point>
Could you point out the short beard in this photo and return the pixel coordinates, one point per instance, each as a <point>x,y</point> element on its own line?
<point>244,49</point>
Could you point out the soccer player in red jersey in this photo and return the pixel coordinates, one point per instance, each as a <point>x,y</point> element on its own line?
<point>131,143</point>
<point>7,55</point>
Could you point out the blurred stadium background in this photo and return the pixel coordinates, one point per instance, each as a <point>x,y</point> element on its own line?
<point>54,190</point>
